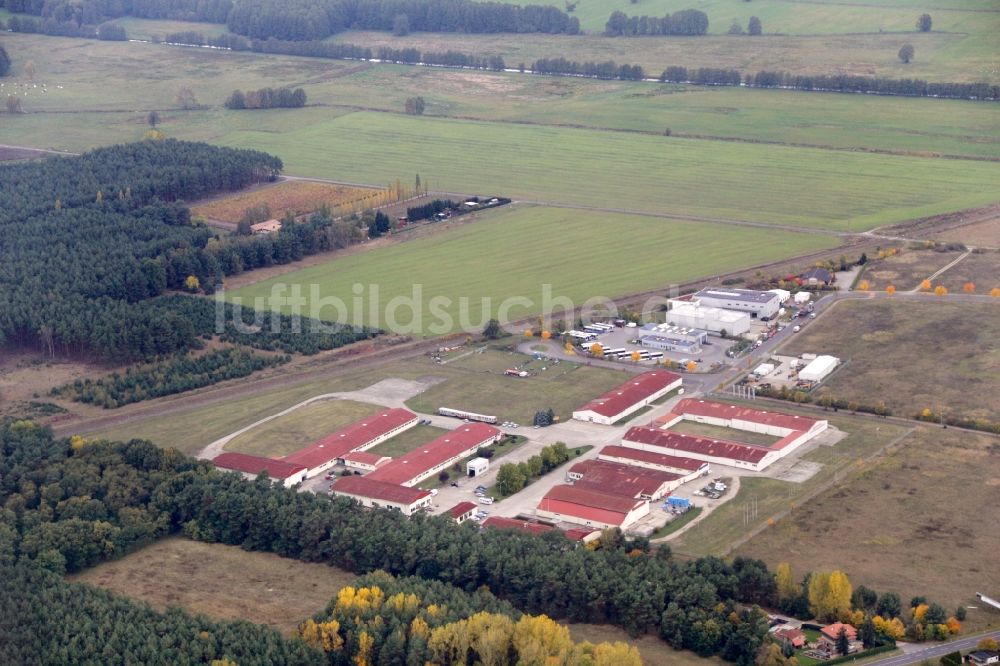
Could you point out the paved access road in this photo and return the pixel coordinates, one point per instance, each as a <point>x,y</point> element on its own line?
<point>932,653</point>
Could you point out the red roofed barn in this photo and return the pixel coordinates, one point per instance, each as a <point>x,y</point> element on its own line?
<point>251,466</point>
<point>369,492</point>
<point>628,398</point>
<point>364,434</point>
<point>623,480</point>
<point>591,508</point>
<point>437,455</point>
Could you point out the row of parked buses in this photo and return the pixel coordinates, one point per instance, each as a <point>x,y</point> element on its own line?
<point>621,352</point>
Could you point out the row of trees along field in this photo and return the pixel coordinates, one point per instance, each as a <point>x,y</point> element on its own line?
<point>90,239</point>
<point>830,83</point>
<point>683,22</point>
<point>267,98</point>
<point>178,374</point>
<point>512,477</point>
<point>69,504</point>
<point>598,70</point>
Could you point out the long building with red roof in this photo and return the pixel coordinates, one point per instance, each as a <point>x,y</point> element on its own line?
<point>359,436</point>
<point>591,508</point>
<point>624,480</point>
<point>251,466</point>
<point>687,468</point>
<point>437,455</point>
<point>628,398</point>
<point>500,523</point>
<point>372,493</point>
<point>738,417</point>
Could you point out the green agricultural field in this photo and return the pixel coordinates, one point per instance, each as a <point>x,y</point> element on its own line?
<point>806,187</point>
<point>107,101</point>
<point>797,17</point>
<point>517,252</point>
<point>939,56</point>
<point>951,127</point>
<point>291,432</point>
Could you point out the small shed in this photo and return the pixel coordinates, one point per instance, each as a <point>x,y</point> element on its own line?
<point>764,369</point>
<point>477,466</point>
<point>802,297</point>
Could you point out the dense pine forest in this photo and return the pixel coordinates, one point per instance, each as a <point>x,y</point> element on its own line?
<point>90,242</point>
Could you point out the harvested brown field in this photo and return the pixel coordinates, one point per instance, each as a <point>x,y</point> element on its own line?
<point>907,269</point>
<point>912,354</point>
<point>223,582</point>
<point>980,234</point>
<point>981,268</point>
<point>914,521</point>
<point>298,197</point>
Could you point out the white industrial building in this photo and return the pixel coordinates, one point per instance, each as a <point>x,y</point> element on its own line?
<point>819,368</point>
<point>667,337</point>
<point>802,297</point>
<point>760,304</point>
<point>782,294</point>
<point>691,314</point>
<point>477,466</point>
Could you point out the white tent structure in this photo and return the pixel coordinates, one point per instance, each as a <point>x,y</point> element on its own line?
<point>819,368</point>
<point>802,297</point>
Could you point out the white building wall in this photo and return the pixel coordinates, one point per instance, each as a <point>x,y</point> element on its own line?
<point>405,509</point>
<point>594,417</point>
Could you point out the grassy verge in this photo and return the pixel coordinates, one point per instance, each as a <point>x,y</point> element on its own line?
<point>407,440</point>
<point>677,523</point>
<point>634,415</point>
<point>289,433</point>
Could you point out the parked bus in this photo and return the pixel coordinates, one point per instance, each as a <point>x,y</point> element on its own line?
<point>462,414</point>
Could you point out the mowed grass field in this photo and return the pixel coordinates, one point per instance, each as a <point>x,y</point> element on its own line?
<point>295,430</point>
<point>478,384</point>
<point>762,183</point>
<point>514,253</point>
<point>297,197</point>
<point>223,582</point>
<point>931,354</point>
<point>911,522</point>
<point>559,389</point>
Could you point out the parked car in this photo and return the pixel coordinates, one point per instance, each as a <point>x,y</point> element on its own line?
<point>454,485</point>
<point>486,500</point>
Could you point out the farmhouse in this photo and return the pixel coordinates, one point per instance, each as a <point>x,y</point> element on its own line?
<point>686,468</point>
<point>372,493</point>
<point>691,314</point>
<point>983,657</point>
<point>499,523</point>
<point>588,507</point>
<point>760,304</point>
<point>364,461</point>
<point>324,454</point>
<point>267,227</point>
<point>624,480</point>
<point>829,634</point>
<point>437,455</point>
<point>795,637</point>
<point>462,512</point>
<point>818,276</point>
<point>628,398</point>
<point>251,466</point>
